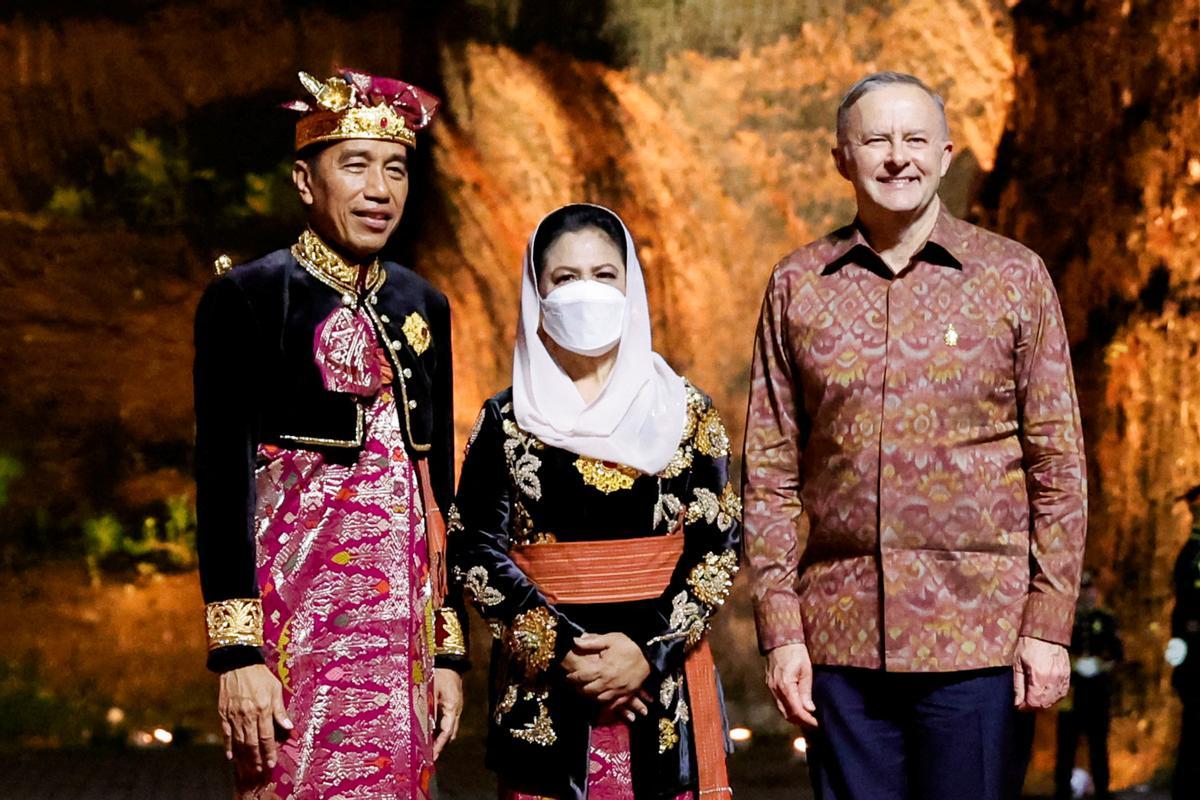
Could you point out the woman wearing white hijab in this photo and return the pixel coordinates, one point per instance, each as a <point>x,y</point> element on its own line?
<point>596,531</point>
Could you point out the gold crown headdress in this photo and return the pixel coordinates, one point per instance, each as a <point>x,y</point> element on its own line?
<point>355,105</point>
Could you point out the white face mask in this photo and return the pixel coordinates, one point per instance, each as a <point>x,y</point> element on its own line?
<point>585,317</point>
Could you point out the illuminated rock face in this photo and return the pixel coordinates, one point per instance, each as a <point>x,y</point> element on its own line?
<point>1100,173</point>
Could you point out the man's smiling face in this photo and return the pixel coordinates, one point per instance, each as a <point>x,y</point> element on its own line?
<point>895,149</point>
<point>354,191</point>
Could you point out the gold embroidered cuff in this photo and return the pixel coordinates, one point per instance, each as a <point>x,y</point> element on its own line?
<point>450,635</point>
<point>232,622</point>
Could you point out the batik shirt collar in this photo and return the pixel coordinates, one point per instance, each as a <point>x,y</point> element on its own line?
<point>938,249</point>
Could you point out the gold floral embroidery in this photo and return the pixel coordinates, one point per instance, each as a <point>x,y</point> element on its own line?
<point>506,703</point>
<point>712,578</point>
<point>453,641</point>
<point>522,524</point>
<point>416,331</point>
<point>666,692</point>
<point>711,437</point>
<point>688,621</point>
<point>667,736</point>
<point>731,503</point>
<point>475,429</point>
<point>222,265</point>
<point>476,582</point>
<point>532,639</point>
<point>453,520</point>
<point>541,730</point>
<point>233,622</point>
<point>497,629</point>
<point>667,508</point>
<point>316,257</point>
<point>523,465</point>
<point>705,506</point>
<point>696,403</point>
<point>678,463</point>
<point>605,475</point>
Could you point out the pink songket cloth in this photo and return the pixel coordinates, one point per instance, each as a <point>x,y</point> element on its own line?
<point>347,601</point>
<point>610,776</point>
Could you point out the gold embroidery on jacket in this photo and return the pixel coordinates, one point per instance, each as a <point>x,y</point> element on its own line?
<point>605,476</point>
<point>711,579</point>
<point>532,639</point>
<point>327,266</point>
<point>523,465</point>
<point>506,703</point>
<point>416,331</point>
<point>711,437</point>
<point>667,737</point>
<point>541,730</point>
<point>476,582</point>
<point>704,506</point>
<point>688,621</point>
<point>233,622</point>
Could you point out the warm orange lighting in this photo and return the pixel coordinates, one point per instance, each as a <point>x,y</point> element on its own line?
<point>163,736</point>
<point>740,734</point>
<point>800,745</point>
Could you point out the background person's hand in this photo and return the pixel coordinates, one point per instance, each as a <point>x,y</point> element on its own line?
<point>606,667</point>
<point>251,705</point>
<point>790,679</point>
<point>448,699</point>
<point>1041,674</point>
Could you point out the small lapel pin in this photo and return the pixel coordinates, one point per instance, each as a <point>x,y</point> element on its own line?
<point>950,337</point>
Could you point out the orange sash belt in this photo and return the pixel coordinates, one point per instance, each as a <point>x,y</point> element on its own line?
<point>623,570</point>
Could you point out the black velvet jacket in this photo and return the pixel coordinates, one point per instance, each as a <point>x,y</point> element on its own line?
<point>515,489</point>
<point>256,382</point>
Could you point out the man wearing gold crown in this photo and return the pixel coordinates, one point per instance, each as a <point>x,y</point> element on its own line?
<point>324,448</point>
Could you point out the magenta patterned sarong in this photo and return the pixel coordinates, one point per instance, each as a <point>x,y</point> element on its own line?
<point>347,616</point>
<point>609,774</point>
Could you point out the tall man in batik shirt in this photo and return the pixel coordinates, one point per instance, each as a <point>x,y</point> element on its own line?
<point>914,476</point>
<point>324,448</point>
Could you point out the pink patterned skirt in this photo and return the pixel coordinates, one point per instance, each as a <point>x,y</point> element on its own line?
<point>344,576</point>
<point>609,773</point>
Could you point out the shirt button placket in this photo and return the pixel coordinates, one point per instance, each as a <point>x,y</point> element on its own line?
<point>887,531</point>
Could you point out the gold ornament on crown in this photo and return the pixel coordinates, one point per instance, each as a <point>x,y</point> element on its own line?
<point>338,117</point>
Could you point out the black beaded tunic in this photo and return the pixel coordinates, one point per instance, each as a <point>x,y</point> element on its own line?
<point>515,489</point>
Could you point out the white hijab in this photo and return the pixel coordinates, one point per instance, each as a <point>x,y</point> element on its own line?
<point>638,418</point>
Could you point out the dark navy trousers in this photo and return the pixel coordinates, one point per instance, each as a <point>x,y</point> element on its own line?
<point>915,736</point>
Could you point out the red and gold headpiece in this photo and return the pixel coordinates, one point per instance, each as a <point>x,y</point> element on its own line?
<point>355,105</point>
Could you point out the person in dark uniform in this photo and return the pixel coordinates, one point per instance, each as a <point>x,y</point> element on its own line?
<point>1095,651</point>
<point>324,449</point>
<point>1183,653</point>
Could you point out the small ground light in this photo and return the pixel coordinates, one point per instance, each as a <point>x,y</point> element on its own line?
<point>740,734</point>
<point>115,716</point>
<point>800,745</point>
<point>162,735</point>
<point>143,739</point>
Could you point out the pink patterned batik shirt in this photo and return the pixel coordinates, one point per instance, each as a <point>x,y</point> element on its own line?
<point>915,485</point>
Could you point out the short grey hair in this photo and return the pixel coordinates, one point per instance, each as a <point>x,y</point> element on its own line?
<point>878,80</point>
